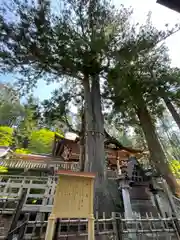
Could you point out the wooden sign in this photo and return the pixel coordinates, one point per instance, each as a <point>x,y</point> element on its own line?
<point>73,199</point>
<point>74,195</point>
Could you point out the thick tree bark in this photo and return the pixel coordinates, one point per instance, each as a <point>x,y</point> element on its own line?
<point>95,153</point>
<point>172,110</point>
<point>82,143</point>
<point>94,148</point>
<point>82,154</point>
<point>158,157</point>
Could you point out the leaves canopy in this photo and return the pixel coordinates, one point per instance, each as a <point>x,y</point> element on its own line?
<point>38,42</point>
<point>11,109</point>
<point>141,69</point>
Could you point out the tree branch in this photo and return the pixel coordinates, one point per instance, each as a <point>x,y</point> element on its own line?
<point>70,126</point>
<point>114,141</point>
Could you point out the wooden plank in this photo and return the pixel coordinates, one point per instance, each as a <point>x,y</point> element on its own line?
<point>17,214</point>
<point>75,174</point>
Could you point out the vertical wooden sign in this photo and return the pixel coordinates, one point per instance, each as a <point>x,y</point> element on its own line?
<point>73,199</point>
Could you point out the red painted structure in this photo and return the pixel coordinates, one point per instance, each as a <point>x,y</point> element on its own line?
<point>69,150</point>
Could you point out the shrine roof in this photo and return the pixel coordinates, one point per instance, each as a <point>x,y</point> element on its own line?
<point>4,151</point>
<point>109,144</point>
<point>33,157</point>
<point>76,174</point>
<point>172,4</point>
<point>116,145</point>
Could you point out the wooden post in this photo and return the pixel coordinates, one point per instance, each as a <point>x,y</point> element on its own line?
<point>127,202</point>
<point>156,199</point>
<point>173,206</point>
<point>124,186</point>
<point>50,227</point>
<point>170,198</point>
<point>17,213</point>
<point>91,235</point>
<point>114,224</point>
<point>118,167</point>
<point>22,230</point>
<point>91,227</point>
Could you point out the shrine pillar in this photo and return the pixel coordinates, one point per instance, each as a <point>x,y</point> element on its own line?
<point>50,227</point>
<point>128,213</point>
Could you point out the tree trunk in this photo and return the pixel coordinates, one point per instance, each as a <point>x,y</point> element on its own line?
<point>156,152</point>
<point>172,110</point>
<point>95,154</point>
<point>82,154</point>
<point>82,142</point>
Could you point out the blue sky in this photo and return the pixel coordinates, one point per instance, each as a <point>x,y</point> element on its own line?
<point>160,16</point>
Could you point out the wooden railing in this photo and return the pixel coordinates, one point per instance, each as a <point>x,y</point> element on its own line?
<point>40,189</point>
<point>19,231</point>
<point>28,164</point>
<point>114,227</point>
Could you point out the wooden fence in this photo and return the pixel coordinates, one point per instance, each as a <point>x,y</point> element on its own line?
<point>38,205</point>
<point>115,227</point>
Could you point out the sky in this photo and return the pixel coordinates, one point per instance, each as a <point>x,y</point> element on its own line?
<point>160,16</point>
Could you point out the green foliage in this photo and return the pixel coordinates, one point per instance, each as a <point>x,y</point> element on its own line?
<point>175,167</point>
<point>31,117</point>
<point>10,108</point>
<point>10,113</point>
<point>57,113</point>
<point>3,169</point>
<point>141,71</point>
<point>60,134</point>
<point>85,42</point>
<point>22,151</point>
<point>72,43</point>
<point>6,138</point>
<point>41,141</point>
<point>55,108</point>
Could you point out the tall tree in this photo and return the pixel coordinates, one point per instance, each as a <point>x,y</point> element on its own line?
<point>57,109</point>
<point>74,44</point>
<point>134,92</point>
<point>11,110</point>
<point>168,89</point>
<point>169,136</point>
<point>28,122</point>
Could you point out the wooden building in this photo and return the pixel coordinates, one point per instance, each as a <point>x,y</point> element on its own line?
<point>69,150</point>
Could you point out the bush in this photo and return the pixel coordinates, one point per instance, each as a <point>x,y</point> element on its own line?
<point>41,141</point>
<point>6,136</point>
<point>175,167</point>
<point>22,151</point>
<point>3,169</point>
